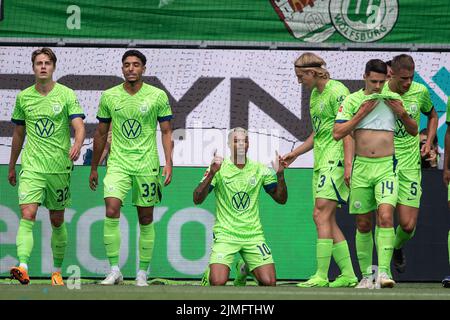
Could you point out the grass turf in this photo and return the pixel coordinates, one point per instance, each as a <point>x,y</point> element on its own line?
<point>191,290</point>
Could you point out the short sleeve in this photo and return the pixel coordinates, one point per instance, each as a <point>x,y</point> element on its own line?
<point>269,178</point>
<point>338,97</point>
<point>18,116</point>
<point>345,111</point>
<point>164,110</point>
<point>426,106</point>
<point>74,108</point>
<point>104,114</point>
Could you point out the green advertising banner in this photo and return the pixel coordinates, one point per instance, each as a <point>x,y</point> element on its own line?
<point>183,230</point>
<point>336,21</point>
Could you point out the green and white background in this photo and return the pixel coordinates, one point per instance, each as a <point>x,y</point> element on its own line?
<point>330,21</point>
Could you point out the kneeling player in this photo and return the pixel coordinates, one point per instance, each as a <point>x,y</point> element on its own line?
<point>237,182</point>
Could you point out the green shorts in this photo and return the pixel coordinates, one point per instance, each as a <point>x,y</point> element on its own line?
<point>146,190</point>
<point>49,189</point>
<point>374,182</point>
<point>254,253</point>
<point>409,187</point>
<point>328,183</point>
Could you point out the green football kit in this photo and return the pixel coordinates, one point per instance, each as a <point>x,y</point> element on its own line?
<point>374,180</point>
<point>238,227</point>
<point>134,162</point>
<point>407,147</point>
<point>46,166</point>
<point>328,176</point>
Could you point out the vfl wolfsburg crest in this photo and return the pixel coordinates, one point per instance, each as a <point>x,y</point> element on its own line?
<point>144,108</point>
<point>356,20</point>
<point>57,108</point>
<point>131,128</point>
<point>44,128</point>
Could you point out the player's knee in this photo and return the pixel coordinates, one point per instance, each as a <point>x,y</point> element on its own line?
<point>28,214</point>
<point>145,220</point>
<point>268,281</point>
<point>215,280</point>
<point>57,221</point>
<point>319,218</point>
<point>364,226</point>
<point>112,212</point>
<point>409,227</point>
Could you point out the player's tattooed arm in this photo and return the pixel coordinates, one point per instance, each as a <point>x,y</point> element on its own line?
<point>279,193</point>
<point>432,125</point>
<point>17,143</point>
<point>202,190</point>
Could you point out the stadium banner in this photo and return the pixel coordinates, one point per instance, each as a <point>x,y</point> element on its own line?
<point>305,21</point>
<point>183,230</point>
<point>211,91</point>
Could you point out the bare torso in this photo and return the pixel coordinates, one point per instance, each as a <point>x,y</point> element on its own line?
<point>374,143</point>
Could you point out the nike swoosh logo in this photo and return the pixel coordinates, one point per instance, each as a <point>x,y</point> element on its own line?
<point>118,109</point>
<point>411,198</point>
<point>228,182</point>
<point>264,259</point>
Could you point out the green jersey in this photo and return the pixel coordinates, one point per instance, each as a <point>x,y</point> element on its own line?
<point>323,109</point>
<point>47,121</point>
<point>407,147</point>
<point>237,199</point>
<point>134,123</point>
<point>380,118</point>
<point>447,119</point>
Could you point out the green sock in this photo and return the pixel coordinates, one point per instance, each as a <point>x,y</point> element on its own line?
<point>24,240</point>
<point>401,237</point>
<point>386,238</point>
<point>364,251</point>
<point>341,255</point>
<point>377,229</point>
<point>146,243</point>
<point>323,253</point>
<point>111,239</point>
<point>59,244</point>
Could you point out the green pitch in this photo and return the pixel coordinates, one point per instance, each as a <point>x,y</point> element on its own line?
<point>191,290</point>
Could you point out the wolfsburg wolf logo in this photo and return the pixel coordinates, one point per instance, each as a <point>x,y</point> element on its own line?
<point>356,20</point>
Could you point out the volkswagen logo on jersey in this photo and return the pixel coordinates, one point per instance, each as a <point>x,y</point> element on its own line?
<point>316,123</point>
<point>44,128</point>
<point>131,129</point>
<point>400,130</point>
<point>241,201</point>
